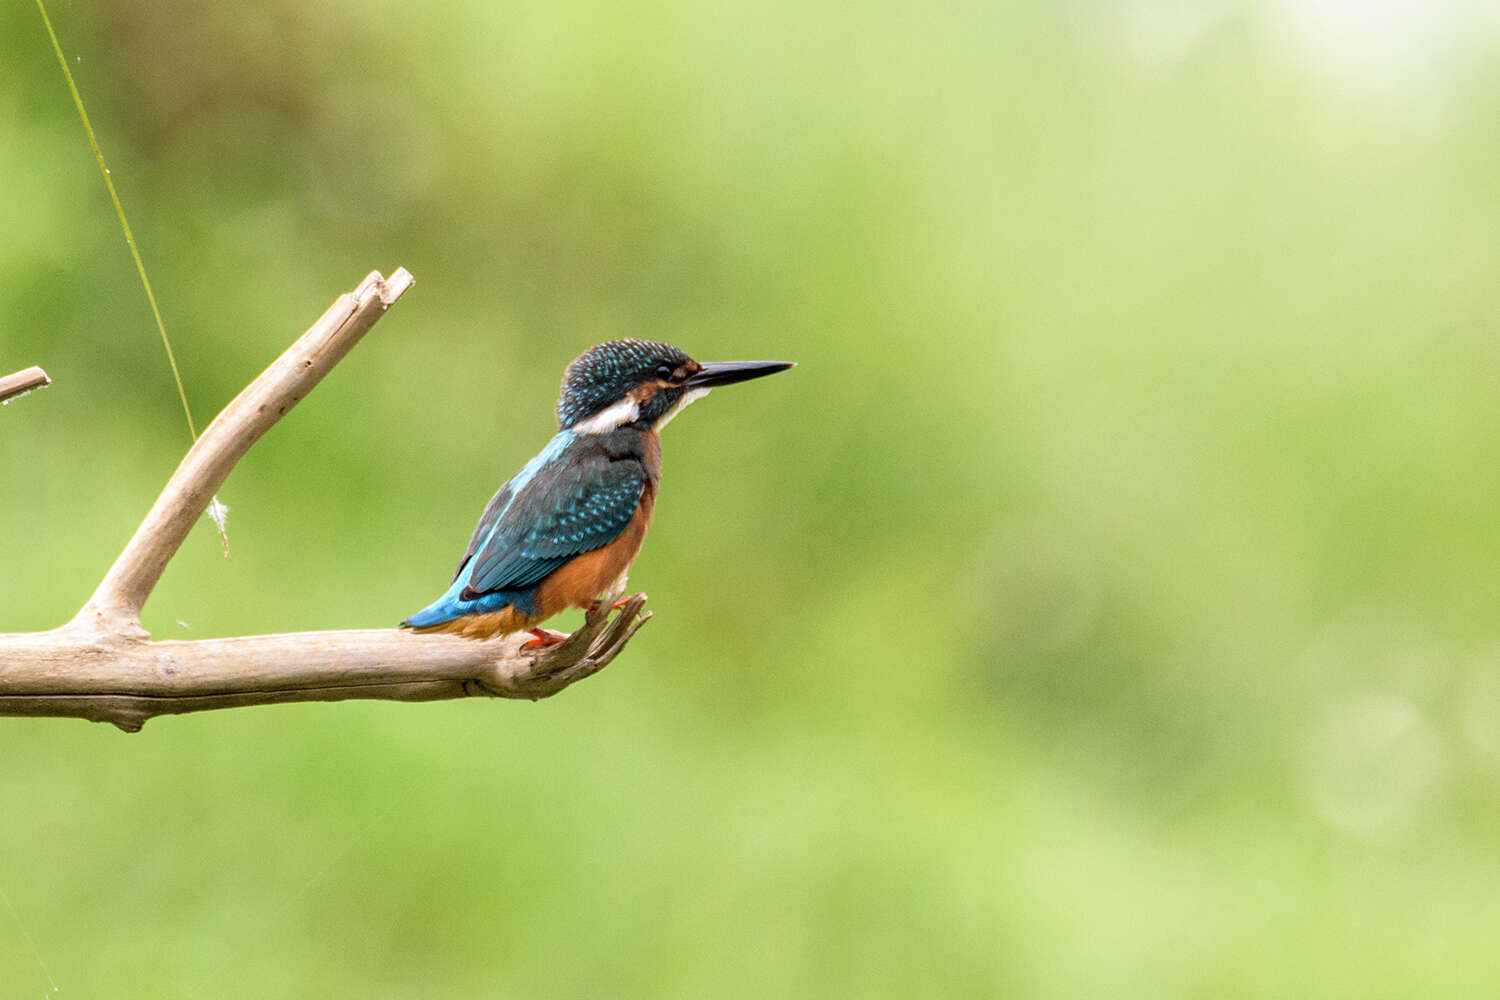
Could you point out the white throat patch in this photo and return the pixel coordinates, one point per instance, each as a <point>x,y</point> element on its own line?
<point>680,405</point>
<point>624,412</point>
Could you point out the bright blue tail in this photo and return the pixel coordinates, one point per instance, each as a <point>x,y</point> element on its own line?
<point>451,605</point>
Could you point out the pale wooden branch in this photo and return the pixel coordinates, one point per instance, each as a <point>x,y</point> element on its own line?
<point>102,665</point>
<point>126,680</point>
<point>21,382</point>
<point>116,605</point>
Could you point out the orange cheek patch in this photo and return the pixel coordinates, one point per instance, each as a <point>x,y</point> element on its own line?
<point>646,391</point>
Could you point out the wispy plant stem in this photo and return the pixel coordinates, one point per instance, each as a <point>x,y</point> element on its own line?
<point>216,509</point>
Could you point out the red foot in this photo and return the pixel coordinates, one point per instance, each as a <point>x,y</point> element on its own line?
<point>541,638</point>
<point>594,607</point>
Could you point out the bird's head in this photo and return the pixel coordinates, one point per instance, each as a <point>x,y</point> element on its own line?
<point>641,383</point>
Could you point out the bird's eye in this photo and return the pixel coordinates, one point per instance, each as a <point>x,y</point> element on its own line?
<point>663,371</point>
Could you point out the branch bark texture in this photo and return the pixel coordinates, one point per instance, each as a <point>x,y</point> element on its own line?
<point>102,665</point>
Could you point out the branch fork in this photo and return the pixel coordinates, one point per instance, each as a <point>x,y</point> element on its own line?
<point>103,666</point>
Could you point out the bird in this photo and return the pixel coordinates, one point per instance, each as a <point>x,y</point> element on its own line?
<point>567,526</point>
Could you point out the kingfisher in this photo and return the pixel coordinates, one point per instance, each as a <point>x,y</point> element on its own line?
<point>562,530</point>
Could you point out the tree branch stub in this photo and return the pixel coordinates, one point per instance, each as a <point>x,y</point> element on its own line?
<point>20,383</point>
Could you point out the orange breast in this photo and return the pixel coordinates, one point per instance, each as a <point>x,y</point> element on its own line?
<point>581,581</point>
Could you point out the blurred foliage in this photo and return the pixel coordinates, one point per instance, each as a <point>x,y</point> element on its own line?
<point>1104,607</point>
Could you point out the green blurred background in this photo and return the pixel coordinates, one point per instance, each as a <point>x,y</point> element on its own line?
<point>1104,607</point>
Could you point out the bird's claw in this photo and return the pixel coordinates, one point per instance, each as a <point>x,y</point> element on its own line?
<point>594,608</point>
<point>541,638</point>
<point>582,654</point>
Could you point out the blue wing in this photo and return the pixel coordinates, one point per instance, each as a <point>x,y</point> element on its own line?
<point>563,511</point>
<point>573,497</point>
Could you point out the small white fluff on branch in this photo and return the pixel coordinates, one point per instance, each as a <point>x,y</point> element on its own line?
<point>103,666</point>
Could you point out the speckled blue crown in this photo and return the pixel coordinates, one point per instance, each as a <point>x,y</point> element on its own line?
<point>603,374</point>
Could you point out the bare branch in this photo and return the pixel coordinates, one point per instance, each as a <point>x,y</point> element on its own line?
<point>102,665</point>
<point>127,681</point>
<point>116,605</point>
<point>21,382</point>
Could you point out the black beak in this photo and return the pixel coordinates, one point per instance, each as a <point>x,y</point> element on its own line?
<point>729,372</point>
